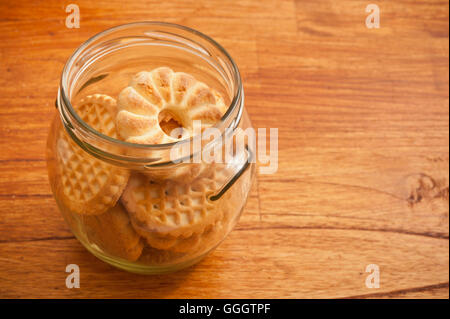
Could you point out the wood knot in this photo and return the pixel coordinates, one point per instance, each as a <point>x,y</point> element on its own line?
<point>424,187</point>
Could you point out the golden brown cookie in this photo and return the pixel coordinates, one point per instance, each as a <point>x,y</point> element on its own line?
<point>158,257</point>
<point>99,111</point>
<point>172,208</point>
<point>88,185</point>
<point>204,241</point>
<point>195,243</point>
<point>178,217</point>
<point>112,232</point>
<point>156,102</point>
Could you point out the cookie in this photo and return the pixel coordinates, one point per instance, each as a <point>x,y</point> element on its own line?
<point>192,244</point>
<point>204,241</point>
<point>99,111</point>
<point>112,232</point>
<point>88,185</point>
<point>173,208</point>
<point>157,257</point>
<point>156,102</point>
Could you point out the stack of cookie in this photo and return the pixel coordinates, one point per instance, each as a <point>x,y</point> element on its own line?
<point>145,217</point>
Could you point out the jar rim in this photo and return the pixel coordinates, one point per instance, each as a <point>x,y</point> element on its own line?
<point>63,97</point>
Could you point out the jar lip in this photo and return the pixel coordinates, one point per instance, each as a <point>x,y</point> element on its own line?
<point>62,91</point>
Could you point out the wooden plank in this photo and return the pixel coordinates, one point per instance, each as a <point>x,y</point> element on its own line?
<point>247,268</point>
<point>363,126</point>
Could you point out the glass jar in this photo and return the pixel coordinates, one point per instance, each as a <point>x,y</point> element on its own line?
<point>134,206</point>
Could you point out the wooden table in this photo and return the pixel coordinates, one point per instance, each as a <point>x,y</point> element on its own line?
<point>363,172</point>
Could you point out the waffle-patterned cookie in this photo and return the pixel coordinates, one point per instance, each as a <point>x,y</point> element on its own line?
<point>99,111</point>
<point>171,208</point>
<point>163,96</point>
<point>112,232</point>
<point>88,185</point>
<point>196,242</point>
<point>180,247</point>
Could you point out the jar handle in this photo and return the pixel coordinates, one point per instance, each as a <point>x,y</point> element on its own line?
<point>233,180</point>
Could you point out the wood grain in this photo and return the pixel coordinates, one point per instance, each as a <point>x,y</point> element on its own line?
<point>363,172</point>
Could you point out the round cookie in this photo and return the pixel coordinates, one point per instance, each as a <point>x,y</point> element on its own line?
<point>197,242</point>
<point>194,243</point>
<point>113,233</point>
<point>171,208</point>
<point>88,185</point>
<point>99,111</point>
<point>156,102</point>
<point>153,256</point>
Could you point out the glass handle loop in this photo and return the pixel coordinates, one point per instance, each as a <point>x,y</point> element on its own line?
<point>233,180</point>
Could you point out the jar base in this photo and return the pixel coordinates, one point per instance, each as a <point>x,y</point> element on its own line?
<point>143,269</point>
